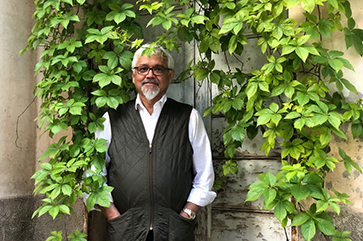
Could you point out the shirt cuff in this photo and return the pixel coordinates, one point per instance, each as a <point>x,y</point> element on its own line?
<point>201,197</point>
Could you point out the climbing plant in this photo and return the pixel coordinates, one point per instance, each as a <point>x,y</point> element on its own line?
<point>85,60</point>
<point>291,99</point>
<point>84,63</point>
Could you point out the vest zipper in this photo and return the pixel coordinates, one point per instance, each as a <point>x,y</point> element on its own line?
<point>150,181</point>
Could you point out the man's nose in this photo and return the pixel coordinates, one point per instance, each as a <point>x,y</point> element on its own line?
<point>150,74</point>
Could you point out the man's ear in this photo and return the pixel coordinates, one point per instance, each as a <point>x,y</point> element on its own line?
<point>133,75</point>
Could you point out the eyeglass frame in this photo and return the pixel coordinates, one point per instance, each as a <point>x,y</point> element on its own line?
<point>152,70</point>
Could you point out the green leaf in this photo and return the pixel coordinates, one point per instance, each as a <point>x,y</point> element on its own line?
<point>357,130</point>
<point>325,226</point>
<point>232,45</point>
<point>254,194</point>
<point>313,178</point>
<point>101,101</point>
<point>287,49</point>
<point>280,211</point>
<point>214,44</point>
<point>53,211</point>
<point>334,3</point>
<point>264,119</point>
<point>269,195</point>
<point>308,229</point>
<point>229,25</point>
<point>91,201</point>
<point>299,123</point>
<point>300,219</point>
<point>302,52</point>
<point>335,207</point>
<point>239,134</point>
<point>237,104</point>
<point>201,73</point>
<point>325,136</point>
<point>67,190</point>
<point>43,210</point>
<point>349,86</point>
<point>348,162</point>
<point>300,192</point>
<point>92,128</point>
<point>270,179</point>
<point>336,64</point>
<point>308,5</point>
<point>251,89</point>
<point>199,19</point>
<point>103,200</point>
<point>125,60</point>
<point>64,209</point>
<point>321,206</point>
<point>334,119</point>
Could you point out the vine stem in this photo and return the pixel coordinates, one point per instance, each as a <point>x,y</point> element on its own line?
<point>17,121</point>
<point>287,237</point>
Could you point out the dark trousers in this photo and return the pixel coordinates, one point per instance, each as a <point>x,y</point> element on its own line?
<point>150,236</point>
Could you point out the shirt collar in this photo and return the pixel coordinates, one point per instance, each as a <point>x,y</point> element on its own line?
<point>160,102</point>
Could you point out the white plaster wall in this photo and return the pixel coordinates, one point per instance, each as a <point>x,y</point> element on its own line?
<point>17,82</point>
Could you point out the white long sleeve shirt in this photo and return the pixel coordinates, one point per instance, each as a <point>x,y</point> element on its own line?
<point>201,193</point>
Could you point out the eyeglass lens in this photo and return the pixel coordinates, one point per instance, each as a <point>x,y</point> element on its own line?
<point>155,70</point>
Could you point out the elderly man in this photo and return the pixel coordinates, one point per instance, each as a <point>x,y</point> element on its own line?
<point>158,159</point>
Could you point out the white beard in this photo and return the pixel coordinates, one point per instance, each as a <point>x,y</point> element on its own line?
<point>150,94</point>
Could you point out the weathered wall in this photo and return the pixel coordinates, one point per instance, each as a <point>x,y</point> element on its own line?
<point>232,218</point>
<point>19,144</point>
<point>351,216</point>
<point>16,84</point>
<point>17,159</point>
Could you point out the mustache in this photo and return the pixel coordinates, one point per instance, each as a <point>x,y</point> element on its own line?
<point>153,81</point>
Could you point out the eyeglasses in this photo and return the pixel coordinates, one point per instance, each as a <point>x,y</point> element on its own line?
<point>158,71</point>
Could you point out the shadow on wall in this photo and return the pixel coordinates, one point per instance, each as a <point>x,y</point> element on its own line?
<point>16,223</point>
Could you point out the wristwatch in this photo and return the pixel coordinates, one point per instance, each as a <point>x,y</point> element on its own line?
<point>190,213</point>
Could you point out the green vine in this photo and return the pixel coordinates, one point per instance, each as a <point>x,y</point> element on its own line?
<point>85,63</point>
<point>289,99</point>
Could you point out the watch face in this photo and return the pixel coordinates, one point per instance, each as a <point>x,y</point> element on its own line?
<point>190,213</point>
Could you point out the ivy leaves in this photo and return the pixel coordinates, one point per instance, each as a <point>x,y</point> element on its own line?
<point>313,220</point>
<point>119,13</point>
<point>288,99</point>
<point>277,194</point>
<point>82,75</point>
<point>301,49</point>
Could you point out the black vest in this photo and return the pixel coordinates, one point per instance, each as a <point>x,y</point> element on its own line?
<point>151,181</point>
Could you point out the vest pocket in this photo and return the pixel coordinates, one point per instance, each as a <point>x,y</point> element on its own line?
<point>118,227</point>
<point>180,228</point>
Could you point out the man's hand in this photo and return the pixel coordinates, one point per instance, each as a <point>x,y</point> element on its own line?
<point>184,215</point>
<point>111,212</point>
<point>190,206</point>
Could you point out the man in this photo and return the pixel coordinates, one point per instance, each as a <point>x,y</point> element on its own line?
<point>158,160</point>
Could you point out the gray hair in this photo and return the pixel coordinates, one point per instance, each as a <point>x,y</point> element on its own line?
<point>158,50</point>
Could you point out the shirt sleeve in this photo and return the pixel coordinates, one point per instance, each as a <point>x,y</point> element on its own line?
<point>201,193</point>
<point>105,134</point>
